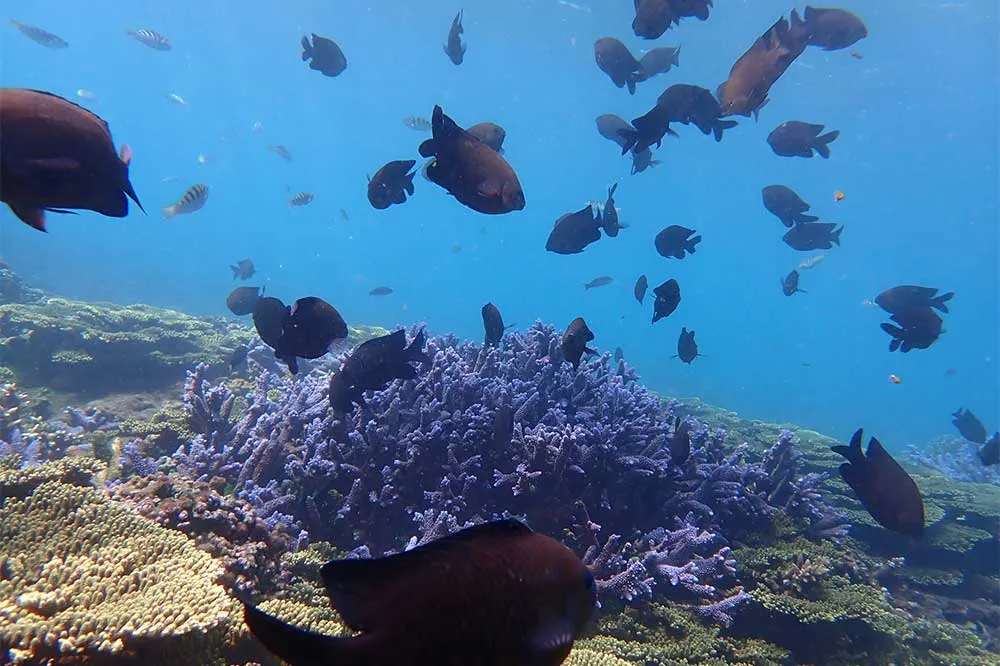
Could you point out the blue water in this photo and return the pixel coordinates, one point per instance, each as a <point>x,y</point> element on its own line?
<point>917,160</point>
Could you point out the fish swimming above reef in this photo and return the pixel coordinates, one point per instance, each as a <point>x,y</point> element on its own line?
<point>454,48</point>
<point>573,232</point>
<point>242,300</point>
<point>417,123</point>
<point>680,443</point>
<point>884,488</point>
<point>392,182</point>
<point>324,55</point>
<point>649,130</point>
<point>306,329</point>
<point>687,348</point>
<point>373,365</point>
<point>609,214</point>
<point>496,594</point>
<point>244,269</point>
<point>56,156</point>
<point>40,36</point>
<point>990,453</point>
<point>668,297</point>
<point>574,341</point>
<point>786,205</point>
<point>493,325</point>
<point>380,291</point>
<point>969,426</point>
<point>794,138</point>
<point>302,199</point>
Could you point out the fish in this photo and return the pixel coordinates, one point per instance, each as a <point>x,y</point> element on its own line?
<point>238,357</point>
<point>475,174</point>
<point>493,324</point>
<point>693,105</point>
<point>619,355</point>
<point>680,443</point>
<point>601,281</point>
<point>244,269</point>
<point>642,160</point>
<point>242,300</point>
<point>40,36</point>
<point>496,594</point>
<point>191,201</point>
<point>895,379</point>
<point>344,216</point>
<point>306,329</point>
<point>839,196</point>
<point>609,214</point>
<point>990,453</point>
<point>813,236</point>
<point>574,341</point>
<point>374,364</point>
<point>392,182</point>
<point>658,61</point>
<point>257,127</point>
<point>281,152</point>
<point>650,128</point>
<point>177,99</point>
<point>323,55</point>
<point>687,348</point>
<point>83,93</point>
<point>454,48</point>
<point>794,138</point>
<point>614,59</point>
<point>380,291</point>
<point>790,284</point>
<point>969,426</point>
<point>652,18</point>
<point>573,232</point>
<point>811,262</point>
<point>668,297</point>
<point>898,300</point>
<point>918,329</point>
<point>833,29</point>
<point>885,490</point>
<point>614,128</point>
<point>639,291</point>
<point>301,199</point>
<point>56,156</point>
<point>150,38</point>
<point>417,123</point>
<point>489,133</point>
<point>786,205</point>
<point>675,241</point>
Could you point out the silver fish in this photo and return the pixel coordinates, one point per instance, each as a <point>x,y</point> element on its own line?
<point>281,152</point>
<point>151,38</point>
<point>39,36</point>
<point>417,123</point>
<point>301,199</point>
<point>191,201</point>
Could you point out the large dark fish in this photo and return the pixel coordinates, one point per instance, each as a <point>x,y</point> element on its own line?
<point>573,232</point>
<point>897,300</point>
<point>668,297</point>
<point>650,128</point>
<point>680,443</point>
<point>969,426</point>
<point>639,291</point>
<point>455,49</point>
<point>56,155</point>
<point>244,269</point>
<point>324,54</point>
<point>496,594</point>
<point>489,133</point>
<point>813,236</point>
<point>675,240</point>
<point>40,36</point>
<point>694,105</point>
<point>306,329</point>
<point>610,214</point>
<point>885,489</point>
<point>990,453</point>
<point>918,329</point>
<point>614,59</point>
<point>373,365</point>
<point>790,284</point>
<point>242,300</point>
<point>658,61</point>
<point>687,348</point>
<point>392,182</point>
<point>493,324</point>
<point>794,138</point>
<point>786,205</point>
<point>471,171</point>
<point>833,29</point>
<point>574,341</point>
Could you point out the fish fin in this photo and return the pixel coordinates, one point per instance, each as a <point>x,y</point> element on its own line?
<point>294,645</point>
<point>805,219</point>
<point>307,50</point>
<point>721,126</point>
<point>692,243</point>
<point>409,183</point>
<point>821,143</point>
<point>630,137</point>
<point>551,641</point>
<point>61,211</point>
<point>415,350</point>
<point>428,148</point>
<point>630,82</point>
<point>588,350</point>
<point>442,125</point>
<point>33,217</point>
<point>939,301</point>
<point>835,236</point>
<point>169,212</point>
<point>293,364</point>
<point>800,291</point>
<point>853,450</point>
<point>125,154</point>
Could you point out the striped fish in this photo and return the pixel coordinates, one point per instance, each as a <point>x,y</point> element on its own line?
<point>39,36</point>
<point>151,38</point>
<point>301,199</point>
<point>193,200</point>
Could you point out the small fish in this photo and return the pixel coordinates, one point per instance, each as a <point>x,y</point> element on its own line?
<point>325,55</point>
<point>786,205</point>
<point>201,159</point>
<point>895,379</point>
<point>301,199</point>
<point>811,262</point>
<point>609,214</point>
<point>813,236</point>
<point>454,48</point>
<point>242,300</point>
<point>574,341</point>
<point>373,365</point>
<point>573,232</point>
<point>257,127</point>
<point>833,29</point>
<point>675,241</point>
<point>839,196</point>
<point>794,138</point>
<point>856,55</point>
<point>950,372</point>
<point>380,291</point>
<point>687,348</point>
<point>177,99</point>
<point>238,356</point>
<point>192,200</point>
<point>969,426</point>
<point>85,94</point>
<point>888,493</point>
<point>243,269</point>
<point>151,38</point>
<point>392,182</point>
<point>639,291</point>
<point>281,152</point>
<point>668,297</point>
<point>493,324</point>
<point>456,248</point>
<point>658,61</point>
<point>790,284</point>
<point>39,36</point>
<point>417,123</point>
<point>597,282</point>
<point>489,133</point>
<point>344,215</point>
<point>680,443</point>
<point>898,300</point>
<point>306,329</point>
<point>619,355</point>
<point>990,453</point>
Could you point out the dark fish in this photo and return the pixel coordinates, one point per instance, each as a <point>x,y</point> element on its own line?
<point>574,341</point>
<point>614,59</point>
<point>417,123</point>
<point>698,9</point>
<point>610,214</point>
<point>373,365</point>
<point>675,240</point>
<point>833,29</point>
<point>39,36</point>
<point>652,18</point>
<point>885,489</point>
<point>269,315</point>
<point>242,300</point>
<point>301,199</point>
<point>150,38</point>
<point>324,54</point>
<point>658,61</point>
<point>694,105</point>
<point>990,453</point>
<point>601,281</point>
<point>493,323</point>
<point>496,594</point>
<point>970,427</point>
<point>306,329</point>
<point>574,231</point>
<point>243,269</point>
<point>344,216</point>
<point>238,357</point>
<point>471,171</point>
<point>687,348</point>
<point>392,182</point>
<point>191,201</point>
<point>455,49</point>
<point>903,298</point>
<point>813,236</point>
<point>786,205</point>
<point>790,284</point>
<point>680,443</point>
<point>639,291</point>
<point>380,291</point>
<point>56,155</point>
<point>668,297</point>
<point>642,160</point>
<point>650,128</point>
<point>614,128</point>
<point>920,329</point>
<point>489,133</point>
<point>281,152</point>
<point>794,138</point>
<point>619,355</point>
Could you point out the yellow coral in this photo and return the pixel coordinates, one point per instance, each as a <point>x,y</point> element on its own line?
<point>584,657</point>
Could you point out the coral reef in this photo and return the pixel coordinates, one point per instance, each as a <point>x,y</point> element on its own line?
<point>956,458</point>
<point>15,290</point>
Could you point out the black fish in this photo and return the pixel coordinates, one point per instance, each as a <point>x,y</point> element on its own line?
<point>920,329</point>
<point>687,348</point>
<point>242,300</point>
<point>380,291</point>
<point>614,128</point>
<point>326,57</point>
<point>668,297</point>
<point>794,138</point>
<point>694,105</point>
<point>610,214</point>
<point>619,355</point>
<point>790,284</point>
<point>903,298</point>
<point>639,291</point>
<point>574,231</point>
<point>786,205</point>
<point>642,160</point>
<point>392,182</point>
<point>238,356</point>
<point>574,341</point>
<point>658,61</point>
<point>306,329</point>
<point>813,236</point>
<point>614,59</point>
<point>489,133</point>
<point>650,129</point>
<point>680,443</point>
<point>243,269</point>
<point>455,49</point>
<point>990,453</point>
<point>493,323</point>
<point>601,281</point>
<point>970,427</point>
<point>496,594</point>
<point>373,365</point>
<point>675,240</point>
<point>833,29</point>
<point>652,18</point>
<point>885,489</point>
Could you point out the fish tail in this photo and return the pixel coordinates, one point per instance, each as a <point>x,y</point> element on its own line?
<point>169,212</point>
<point>853,451</point>
<point>939,302</point>
<point>307,51</point>
<point>630,137</point>
<point>630,82</point>
<point>835,236</point>
<point>415,350</point>
<point>298,646</point>
<point>821,143</point>
<point>409,184</point>
<point>721,126</point>
<point>692,242</point>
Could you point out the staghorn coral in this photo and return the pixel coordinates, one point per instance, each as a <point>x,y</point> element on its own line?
<point>955,457</point>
